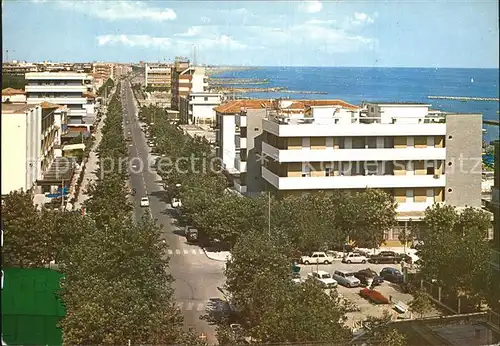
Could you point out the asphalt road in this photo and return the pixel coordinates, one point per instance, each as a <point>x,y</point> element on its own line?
<point>196,276</point>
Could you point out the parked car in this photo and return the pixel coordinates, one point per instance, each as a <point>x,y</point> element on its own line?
<point>392,275</point>
<point>354,257</point>
<point>176,203</point>
<point>317,257</point>
<point>324,278</point>
<point>346,279</point>
<point>368,277</point>
<point>144,202</point>
<point>373,296</point>
<point>386,257</point>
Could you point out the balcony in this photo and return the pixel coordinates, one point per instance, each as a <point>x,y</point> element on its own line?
<point>241,142</point>
<point>240,166</point>
<point>353,130</point>
<point>495,259</point>
<point>55,88</point>
<point>241,120</point>
<point>337,155</point>
<point>352,182</point>
<point>238,187</point>
<point>58,100</point>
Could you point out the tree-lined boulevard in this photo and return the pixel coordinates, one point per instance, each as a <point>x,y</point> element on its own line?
<point>120,287</point>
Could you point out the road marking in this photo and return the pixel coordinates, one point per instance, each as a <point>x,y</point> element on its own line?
<point>190,306</point>
<point>194,252</point>
<point>177,252</point>
<point>200,307</point>
<point>170,252</point>
<point>186,252</point>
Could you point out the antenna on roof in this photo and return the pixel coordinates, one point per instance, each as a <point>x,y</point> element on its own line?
<point>194,56</point>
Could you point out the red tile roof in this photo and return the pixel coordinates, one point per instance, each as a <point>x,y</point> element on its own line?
<point>233,107</point>
<point>12,91</point>
<point>48,105</point>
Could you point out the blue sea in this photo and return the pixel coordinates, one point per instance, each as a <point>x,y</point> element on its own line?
<point>385,84</point>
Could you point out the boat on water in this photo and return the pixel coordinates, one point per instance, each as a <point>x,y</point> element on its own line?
<point>472,80</point>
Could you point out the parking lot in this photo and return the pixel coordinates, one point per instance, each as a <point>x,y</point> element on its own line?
<point>352,294</point>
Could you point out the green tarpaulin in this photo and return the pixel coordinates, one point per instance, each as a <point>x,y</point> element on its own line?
<point>31,307</point>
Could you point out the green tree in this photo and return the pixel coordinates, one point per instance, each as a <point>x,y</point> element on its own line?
<point>455,250</point>
<point>375,215</point>
<point>271,308</point>
<point>420,304</point>
<point>25,245</point>
<point>381,333</point>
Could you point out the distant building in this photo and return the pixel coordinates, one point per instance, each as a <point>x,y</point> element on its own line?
<point>158,76</point>
<point>198,108</point>
<point>122,70</point>
<point>103,70</point>
<point>185,80</point>
<point>13,95</point>
<point>18,68</point>
<point>62,88</point>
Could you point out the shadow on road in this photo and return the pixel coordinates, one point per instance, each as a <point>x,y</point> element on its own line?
<point>161,195</point>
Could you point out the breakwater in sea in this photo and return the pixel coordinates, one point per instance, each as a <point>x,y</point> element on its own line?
<point>465,98</point>
<point>237,81</point>
<point>264,90</point>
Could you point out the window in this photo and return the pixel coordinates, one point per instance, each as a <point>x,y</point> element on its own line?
<point>409,196</point>
<point>306,171</point>
<point>372,109</point>
<point>256,129</point>
<point>205,98</point>
<point>328,171</point>
<point>430,170</point>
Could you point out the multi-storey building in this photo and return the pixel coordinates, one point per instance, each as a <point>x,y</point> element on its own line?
<point>185,80</point>
<point>62,88</point>
<point>225,117</point>
<point>198,108</point>
<point>13,95</point>
<point>158,76</point>
<point>30,142</point>
<point>102,71</point>
<point>418,156</point>
<point>122,70</point>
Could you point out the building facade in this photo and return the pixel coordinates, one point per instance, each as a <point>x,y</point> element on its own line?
<point>185,80</point>
<point>23,146</point>
<point>62,88</point>
<point>103,71</point>
<point>158,76</point>
<point>198,108</point>
<point>418,156</point>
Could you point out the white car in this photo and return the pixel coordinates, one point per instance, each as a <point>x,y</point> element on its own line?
<point>144,202</point>
<point>176,203</point>
<point>346,279</point>
<point>354,257</point>
<point>324,278</point>
<point>317,258</point>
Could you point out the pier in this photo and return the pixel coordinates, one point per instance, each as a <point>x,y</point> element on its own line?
<point>491,122</point>
<point>464,98</point>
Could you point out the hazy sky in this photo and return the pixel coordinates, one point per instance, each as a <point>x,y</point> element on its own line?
<point>432,33</point>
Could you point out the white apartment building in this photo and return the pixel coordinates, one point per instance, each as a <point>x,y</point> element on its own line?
<point>158,76</point>
<point>22,140</point>
<point>417,155</point>
<point>198,108</point>
<point>62,88</point>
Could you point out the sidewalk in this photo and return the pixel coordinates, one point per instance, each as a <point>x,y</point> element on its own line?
<point>92,163</point>
<point>221,256</point>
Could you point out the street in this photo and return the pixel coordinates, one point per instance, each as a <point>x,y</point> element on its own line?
<point>196,276</point>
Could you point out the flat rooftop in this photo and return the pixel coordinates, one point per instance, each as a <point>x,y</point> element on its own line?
<point>15,108</point>
<point>194,130</point>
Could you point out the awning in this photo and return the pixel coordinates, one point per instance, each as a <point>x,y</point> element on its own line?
<point>80,146</point>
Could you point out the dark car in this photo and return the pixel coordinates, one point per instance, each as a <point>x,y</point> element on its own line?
<point>392,275</point>
<point>386,257</point>
<point>368,277</point>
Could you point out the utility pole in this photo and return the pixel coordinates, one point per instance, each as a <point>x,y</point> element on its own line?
<point>62,194</point>
<point>269,213</point>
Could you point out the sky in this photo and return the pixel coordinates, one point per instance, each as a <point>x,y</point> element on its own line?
<point>431,33</point>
